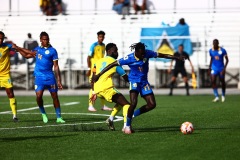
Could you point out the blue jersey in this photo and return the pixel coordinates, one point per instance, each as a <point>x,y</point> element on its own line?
<point>217,58</point>
<point>138,68</point>
<point>44,61</point>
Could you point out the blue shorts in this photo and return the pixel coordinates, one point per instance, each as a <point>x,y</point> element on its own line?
<point>143,87</point>
<point>217,73</point>
<point>42,83</point>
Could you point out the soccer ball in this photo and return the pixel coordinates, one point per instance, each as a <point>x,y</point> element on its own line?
<point>187,128</point>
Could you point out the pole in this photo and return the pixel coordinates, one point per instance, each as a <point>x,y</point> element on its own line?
<point>69,66</point>
<point>239,66</point>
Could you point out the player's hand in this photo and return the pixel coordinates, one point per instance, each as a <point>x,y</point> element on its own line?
<point>34,53</point>
<point>60,85</point>
<point>88,73</point>
<point>93,98</point>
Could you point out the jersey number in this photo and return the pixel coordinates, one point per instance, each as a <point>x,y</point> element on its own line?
<point>39,56</point>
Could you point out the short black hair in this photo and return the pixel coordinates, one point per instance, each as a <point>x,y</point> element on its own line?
<point>138,46</point>
<point>181,45</point>
<point>43,34</point>
<point>110,45</point>
<point>2,34</point>
<point>182,21</point>
<point>101,33</point>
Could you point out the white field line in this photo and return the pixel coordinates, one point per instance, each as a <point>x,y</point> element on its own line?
<point>118,118</point>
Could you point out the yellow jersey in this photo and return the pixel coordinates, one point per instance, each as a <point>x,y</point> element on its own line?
<point>97,52</point>
<point>105,81</point>
<point>5,60</point>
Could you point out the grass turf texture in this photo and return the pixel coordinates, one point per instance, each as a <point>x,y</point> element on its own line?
<point>157,136</point>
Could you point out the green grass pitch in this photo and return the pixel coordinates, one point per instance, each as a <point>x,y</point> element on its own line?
<point>86,136</point>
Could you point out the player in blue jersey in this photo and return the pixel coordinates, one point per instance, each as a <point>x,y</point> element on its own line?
<point>138,62</point>
<point>46,61</point>
<point>218,68</point>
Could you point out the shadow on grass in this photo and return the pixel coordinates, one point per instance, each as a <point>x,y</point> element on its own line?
<point>8,139</point>
<point>158,129</point>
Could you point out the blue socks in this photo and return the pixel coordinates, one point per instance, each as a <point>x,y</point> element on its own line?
<point>42,110</point>
<point>215,91</point>
<point>58,112</point>
<point>136,113</point>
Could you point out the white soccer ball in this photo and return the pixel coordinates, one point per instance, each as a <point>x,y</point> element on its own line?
<point>187,128</point>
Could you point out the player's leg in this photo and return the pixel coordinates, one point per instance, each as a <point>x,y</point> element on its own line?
<point>7,84</point>
<point>57,107</point>
<point>39,89</point>
<point>185,80</point>
<point>122,101</point>
<point>173,80</point>
<point>147,94</point>
<point>151,104</point>
<point>223,83</point>
<point>13,103</point>
<point>39,99</point>
<point>104,107</point>
<point>110,119</point>
<point>90,104</point>
<point>214,85</point>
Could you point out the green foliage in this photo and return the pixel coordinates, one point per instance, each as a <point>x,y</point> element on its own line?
<point>157,135</point>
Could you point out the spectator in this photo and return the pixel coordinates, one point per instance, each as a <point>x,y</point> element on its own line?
<point>140,5</point>
<point>51,7</point>
<point>121,7</point>
<point>30,44</point>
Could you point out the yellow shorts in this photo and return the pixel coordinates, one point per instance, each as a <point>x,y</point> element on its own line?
<point>107,94</point>
<point>6,82</point>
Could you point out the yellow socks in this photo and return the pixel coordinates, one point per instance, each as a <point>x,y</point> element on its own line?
<point>13,105</point>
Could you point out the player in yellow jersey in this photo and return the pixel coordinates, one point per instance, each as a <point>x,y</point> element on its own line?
<point>97,51</point>
<point>104,87</point>
<point>5,78</point>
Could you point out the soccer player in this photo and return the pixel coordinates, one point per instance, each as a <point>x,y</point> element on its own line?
<point>104,87</point>
<point>180,68</point>
<point>138,79</point>
<point>218,68</point>
<point>97,51</point>
<point>46,60</point>
<point>5,78</point>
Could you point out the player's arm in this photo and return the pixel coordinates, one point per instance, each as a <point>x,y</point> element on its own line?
<point>96,77</point>
<point>89,65</point>
<point>122,73</point>
<point>191,64</point>
<point>170,67</point>
<point>210,66</point>
<point>58,74</point>
<point>168,56</point>
<point>24,52</point>
<point>94,95</point>
<point>226,63</point>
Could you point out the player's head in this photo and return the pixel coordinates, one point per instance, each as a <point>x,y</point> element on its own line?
<point>29,35</point>
<point>112,50</point>
<point>139,49</point>
<point>215,43</point>
<point>2,36</point>
<point>44,39</point>
<point>180,48</point>
<point>100,36</point>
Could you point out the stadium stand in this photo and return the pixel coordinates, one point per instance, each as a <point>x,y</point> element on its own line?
<point>72,35</point>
